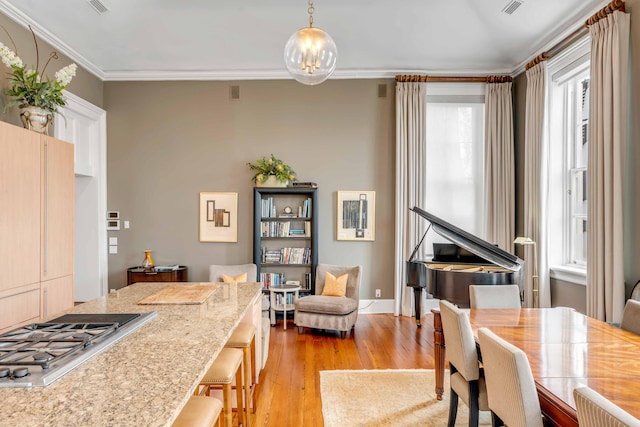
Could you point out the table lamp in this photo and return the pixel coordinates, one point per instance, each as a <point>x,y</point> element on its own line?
<point>534,278</point>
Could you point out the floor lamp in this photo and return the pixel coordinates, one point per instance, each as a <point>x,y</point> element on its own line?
<point>524,241</point>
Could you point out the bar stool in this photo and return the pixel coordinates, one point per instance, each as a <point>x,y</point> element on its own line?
<point>200,411</point>
<point>244,338</point>
<point>220,374</point>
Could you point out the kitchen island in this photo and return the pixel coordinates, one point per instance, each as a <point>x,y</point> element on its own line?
<point>145,378</point>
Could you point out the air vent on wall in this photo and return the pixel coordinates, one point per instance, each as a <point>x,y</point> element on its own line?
<point>98,6</point>
<point>512,6</point>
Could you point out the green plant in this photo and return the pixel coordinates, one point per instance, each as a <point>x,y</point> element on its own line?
<point>29,86</point>
<point>271,166</point>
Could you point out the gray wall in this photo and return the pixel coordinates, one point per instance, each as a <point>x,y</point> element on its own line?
<point>168,141</point>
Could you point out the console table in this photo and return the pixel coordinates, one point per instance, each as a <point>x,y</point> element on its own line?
<point>138,274</point>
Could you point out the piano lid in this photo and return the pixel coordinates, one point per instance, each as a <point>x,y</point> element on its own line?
<point>472,243</point>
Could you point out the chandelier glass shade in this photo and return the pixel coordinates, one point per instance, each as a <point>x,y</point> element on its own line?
<point>310,54</point>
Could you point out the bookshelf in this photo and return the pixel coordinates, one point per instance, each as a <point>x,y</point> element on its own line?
<point>285,236</point>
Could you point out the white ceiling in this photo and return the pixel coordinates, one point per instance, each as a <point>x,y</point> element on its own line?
<point>244,39</point>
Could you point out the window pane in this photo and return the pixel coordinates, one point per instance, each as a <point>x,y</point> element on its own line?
<point>582,135</point>
<point>579,241</point>
<point>579,192</point>
<point>455,134</point>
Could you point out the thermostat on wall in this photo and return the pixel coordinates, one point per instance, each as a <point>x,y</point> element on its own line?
<point>113,224</point>
<point>113,214</point>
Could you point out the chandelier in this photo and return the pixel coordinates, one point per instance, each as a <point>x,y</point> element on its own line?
<point>310,54</point>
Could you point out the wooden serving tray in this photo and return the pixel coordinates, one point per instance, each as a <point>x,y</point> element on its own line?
<point>180,294</point>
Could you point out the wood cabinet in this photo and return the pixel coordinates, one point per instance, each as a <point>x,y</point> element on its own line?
<point>285,235</point>
<point>36,225</point>
<point>58,207</point>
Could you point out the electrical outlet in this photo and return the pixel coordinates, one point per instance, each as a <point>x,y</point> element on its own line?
<point>378,293</point>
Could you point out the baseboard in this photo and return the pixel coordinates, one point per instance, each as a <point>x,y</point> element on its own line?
<point>382,306</point>
<point>375,306</point>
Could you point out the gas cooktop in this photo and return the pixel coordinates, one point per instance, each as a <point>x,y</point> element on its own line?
<point>40,353</point>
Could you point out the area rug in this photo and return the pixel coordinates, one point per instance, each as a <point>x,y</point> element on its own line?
<point>390,397</point>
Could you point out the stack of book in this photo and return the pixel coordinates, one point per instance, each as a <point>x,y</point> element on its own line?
<point>271,256</point>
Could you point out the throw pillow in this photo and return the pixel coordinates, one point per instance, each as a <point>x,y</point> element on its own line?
<point>242,278</point>
<point>335,287</point>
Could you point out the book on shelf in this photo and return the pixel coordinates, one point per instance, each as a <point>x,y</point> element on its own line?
<point>304,211</point>
<point>300,256</point>
<point>270,280</point>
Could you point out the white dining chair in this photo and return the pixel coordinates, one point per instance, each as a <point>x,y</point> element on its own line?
<point>466,378</point>
<point>494,296</point>
<point>631,317</point>
<point>511,390</point>
<point>595,410</point>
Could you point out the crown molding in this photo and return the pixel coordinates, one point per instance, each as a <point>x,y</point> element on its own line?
<point>231,75</point>
<point>23,20</point>
<point>521,68</point>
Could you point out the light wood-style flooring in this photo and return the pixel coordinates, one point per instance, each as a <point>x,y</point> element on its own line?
<point>289,389</point>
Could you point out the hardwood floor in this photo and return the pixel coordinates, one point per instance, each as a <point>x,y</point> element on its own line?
<point>289,389</point>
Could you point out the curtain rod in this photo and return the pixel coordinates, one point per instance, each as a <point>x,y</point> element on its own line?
<point>454,79</point>
<point>578,33</point>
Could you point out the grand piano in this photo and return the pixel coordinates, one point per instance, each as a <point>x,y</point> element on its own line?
<point>467,260</point>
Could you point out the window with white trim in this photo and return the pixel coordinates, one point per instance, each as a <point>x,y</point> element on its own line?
<point>568,147</point>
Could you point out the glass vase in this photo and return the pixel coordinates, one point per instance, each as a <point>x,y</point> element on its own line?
<point>147,263</point>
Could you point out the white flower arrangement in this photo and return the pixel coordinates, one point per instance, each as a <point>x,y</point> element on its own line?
<point>29,87</point>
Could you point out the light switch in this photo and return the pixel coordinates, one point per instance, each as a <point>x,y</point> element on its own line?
<point>113,240</point>
<point>126,224</point>
<point>113,249</point>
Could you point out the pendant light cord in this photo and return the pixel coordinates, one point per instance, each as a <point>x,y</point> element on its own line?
<point>311,10</point>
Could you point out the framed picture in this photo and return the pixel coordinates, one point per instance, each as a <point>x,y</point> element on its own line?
<point>218,217</point>
<point>356,215</point>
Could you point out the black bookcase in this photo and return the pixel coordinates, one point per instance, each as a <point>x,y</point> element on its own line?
<point>285,235</point>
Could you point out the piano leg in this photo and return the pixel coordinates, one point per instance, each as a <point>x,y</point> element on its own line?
<point>417,297</point>
<point>439,352</point>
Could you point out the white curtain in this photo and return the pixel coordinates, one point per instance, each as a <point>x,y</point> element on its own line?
<point>536,188</point>
<point>499,166</point>
<point>607,146</point>
<point>411,137</point>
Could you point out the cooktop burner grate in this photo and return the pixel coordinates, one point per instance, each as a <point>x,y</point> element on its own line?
<point>41,344</point>
<point>40,353</point>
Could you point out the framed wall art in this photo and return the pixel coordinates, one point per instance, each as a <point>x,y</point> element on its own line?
<point>218,217</point>
<point>356,215</point>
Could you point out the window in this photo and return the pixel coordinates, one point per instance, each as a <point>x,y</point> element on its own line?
<point>568,147</point>
<point>455,153</point>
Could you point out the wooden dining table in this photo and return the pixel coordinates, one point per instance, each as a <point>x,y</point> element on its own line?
<point>566,349</point>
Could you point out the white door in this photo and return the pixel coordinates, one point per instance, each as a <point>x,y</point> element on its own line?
<point>84,125</point>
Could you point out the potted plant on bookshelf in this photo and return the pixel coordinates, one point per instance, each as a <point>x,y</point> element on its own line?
<point>271,172</point>
<point>37,96</point>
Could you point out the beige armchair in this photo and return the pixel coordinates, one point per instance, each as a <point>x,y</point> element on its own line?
<point>216,272</point>
<point>338,313</point>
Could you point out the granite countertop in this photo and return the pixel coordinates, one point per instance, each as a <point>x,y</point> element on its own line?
<point>145,378</point>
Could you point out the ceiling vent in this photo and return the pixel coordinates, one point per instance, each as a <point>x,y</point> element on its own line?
<point>512,6</point>
<point>98,6</point>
